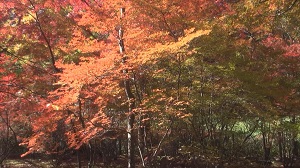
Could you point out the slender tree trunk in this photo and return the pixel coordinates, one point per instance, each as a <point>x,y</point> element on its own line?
<point>140,138</point>
<point>295,141</point>
<point>91,155</point>
<point>280,150</point>
<point>81,119</point>
<point>130,98</point>
<point>119,146</point>
<point>78,158</point>
<point>179,60</point>
<point>266,143</point>
<point>130,141</point>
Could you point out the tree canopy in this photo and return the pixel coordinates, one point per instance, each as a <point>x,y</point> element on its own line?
<point>169,81</point>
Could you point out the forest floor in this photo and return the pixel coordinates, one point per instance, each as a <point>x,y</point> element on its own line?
<point>49,163</point>
<point>120,163</point>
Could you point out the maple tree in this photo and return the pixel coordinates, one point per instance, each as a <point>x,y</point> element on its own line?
<point>175,77</point>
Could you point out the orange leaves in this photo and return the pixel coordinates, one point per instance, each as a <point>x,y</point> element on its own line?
<point>177,108</point>
<point>43,124</point>
<point>84,135</point>
<point>87,72</point>
<point>87,89</point>
<point>33,143</point>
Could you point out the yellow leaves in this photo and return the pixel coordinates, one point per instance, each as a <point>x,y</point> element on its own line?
<point>17,47</point>
<point>183,42</point>
<point>249,4</point>
<point>26,19</point>
<point>52,106</point>
<point>157,35</point>
<point>173,47</point>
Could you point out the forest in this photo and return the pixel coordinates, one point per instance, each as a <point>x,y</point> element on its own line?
<point>150,83</point>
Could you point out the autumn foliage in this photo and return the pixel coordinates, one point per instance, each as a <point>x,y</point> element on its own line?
<point>192,75</point>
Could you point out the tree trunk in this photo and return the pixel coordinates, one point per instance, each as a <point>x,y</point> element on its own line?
<point>78,158</point>
<point>130,98</point>
<point>130,141</point>
<point>294,140</point>
<point>266,144</point>
<point>280,149</point>
<point>81,119</point>
<point>91,155</point>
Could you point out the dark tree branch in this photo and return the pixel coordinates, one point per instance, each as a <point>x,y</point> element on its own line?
<point>293,4</point>
<point>37,20</point>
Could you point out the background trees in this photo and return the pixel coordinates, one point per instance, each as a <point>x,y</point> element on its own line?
<point>211,82</point>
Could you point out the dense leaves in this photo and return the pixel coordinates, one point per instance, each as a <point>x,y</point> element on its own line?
<point>201,82</point>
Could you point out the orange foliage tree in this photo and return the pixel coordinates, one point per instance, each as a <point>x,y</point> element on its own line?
<point>78,40</point>
<point>70,59</point>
